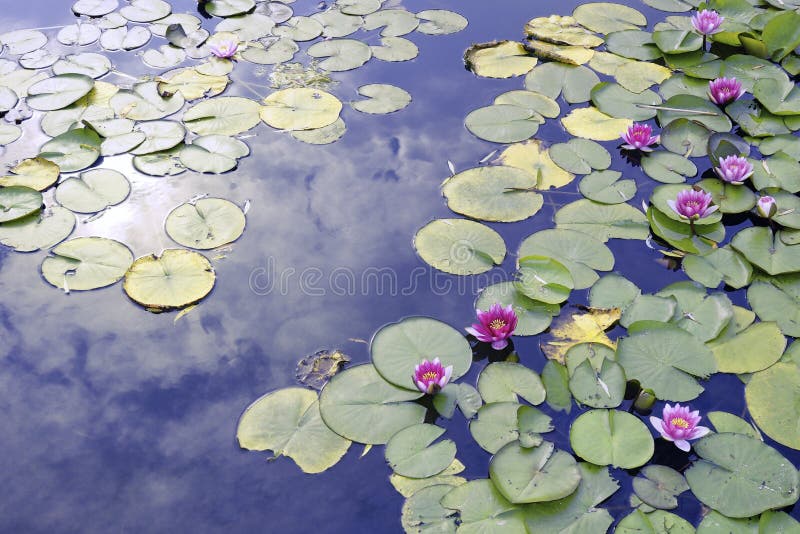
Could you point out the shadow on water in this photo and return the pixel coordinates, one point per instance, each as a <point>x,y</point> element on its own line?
<point>119,420</point>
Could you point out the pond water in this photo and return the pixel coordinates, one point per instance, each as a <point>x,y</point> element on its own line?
<point>117,419</point>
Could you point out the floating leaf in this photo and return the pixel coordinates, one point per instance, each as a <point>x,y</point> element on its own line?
<point>591,123</point>
<point>505,381</point>
<point>607,188</point>
<point>287,422</point>
<point>395,22</point>
<point>680,235</point>
<point>213,153</point>
<point>659,486</point>
<point>763,249</point>
<point>503,123</point>
<point>531,156</point>
<point>657,521</point>
<point>499,59</point>
<point>145,10</point>
<point>191,84</point>
<point>752,350</point>
<point>58,91</point>
<point>94,191</point>
<point>144,103</point>
<point>570,55</point>
<point>78,34</point>
<point>495,193</point>
<point>772,400</point>
<point>482,507</point>
<point>410,486</point>
<point>381,99</point>
<point>534,475</point>
<point>611,437</point>
<point>561,30</point>
<point>666,360</point>
<point>719,265</point>
<point>553,78</point>
<point>727,422</point>
<point>740,476</point>
<point>360,405</point>
<point>395,49</point>
<point>605,17</point>
<point>600,386</point>
<point>299,29</point>
<point>410,452</point>
<point>616,101</point>
<point>228,8</point>
<point>544,279</point>
<point>205,224</point>
<point>321,136</point>
<point>423,511</point>
<point>23,41</point>
<point>440,22</point>
<point>86,263</point>
<point>300,109</point>
<point>340,54</point>
<point>613,291</point>
<point>280,51</point>
<point>226,115</point>
<point>38,230</point>
<point>458,246</point>
<point>580,156</point>
<point>667,167</point>
<point>73,150</point>
<point>579,252</point>
<point>36,173</point>
<point>175,279</point>
<point>94,8</point>
<point>496,426</point>
<point>576,328</point>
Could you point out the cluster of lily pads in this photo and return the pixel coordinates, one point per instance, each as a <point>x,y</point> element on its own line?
<point>170,122</point>
<point>711,89</point>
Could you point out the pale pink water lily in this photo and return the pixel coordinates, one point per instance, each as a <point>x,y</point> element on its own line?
<point>734,169</point>
<point>724,90</point>
<point>495,325</point>
<point>766,207</point>
<point>707,22</point>
<point>693,204</point>
<point>639,137</point>
<point>679,425</point>
<point>224,48</point>
<point>430,377</point>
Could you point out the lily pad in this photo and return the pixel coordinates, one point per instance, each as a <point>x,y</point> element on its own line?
<point>719,265</point>
<point>580,156</point>
<point>494,193</point>
<point>94,191</point>
<point>534,475</point>
<point>659,486</point>
<point>754,349</point>
<point>772,400</point>
<point>440,22</point>
<point>458,246</point>
<point>611,437</point>
<point>36,173</point>
<point>591,123</point>
<point>288,422</point>
<point>499,59</point>
<point>73,150</point>
<point>605,17</point>
<point>381,99</point>
<point>778,301</point>
<point>58,91</point>
<point>213,153</point>
<point>360,405</point>
<point>507,381</point>
<point>579,252</point>
<point>205,224</point>
<point>544,279</point>
<point>552,79</point>
<point>39,230</point>
<point>667,167</point>
<point>482,507</point>
<point>410,452</point>
<point>607,188</point>
<point>340,54</point>
<point>398,347</point>
<point>86,263</point>
<point>533,157</point>
<point>764,250</point>
<point>503,123</point>
<point>300,109</point>
<point>175,279</point>
<point>734,472</point>
<point>616,101</point>
<point>496,425</point>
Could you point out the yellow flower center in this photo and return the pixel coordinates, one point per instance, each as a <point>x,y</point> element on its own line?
<point>430,375</point>
<point>680,422</point>
<point>497,324</point>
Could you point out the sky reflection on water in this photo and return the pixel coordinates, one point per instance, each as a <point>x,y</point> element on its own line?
<point>120,420</point>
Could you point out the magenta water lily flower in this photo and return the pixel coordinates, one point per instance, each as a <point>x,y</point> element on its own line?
<point>707,22</point>
<point>766,207</point>
<point>430,377</point>
<point>693,204</point>
<point>639,137</point>
<point>495,325</point>
<point>679,425</point>
<point>224,48</point>
<point>724,90</point>
<point>734,169</point>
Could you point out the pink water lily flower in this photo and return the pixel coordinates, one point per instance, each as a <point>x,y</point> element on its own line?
<point>707,22</point>
<point>724,90</point>
<point>224,48</point>
<point>679,425</point>
<point>766,207</point>
<point>430,377</point>
<point>693,204</point>
<point>495,325</point>
<point>639,137</point>
<point>734,169</point>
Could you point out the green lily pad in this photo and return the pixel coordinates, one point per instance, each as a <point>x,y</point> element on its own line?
<point>482,508</point>
<point>205,224</point>
<point>493,193</point>
<point>554,78</point>
<point>440,22</point>
<point>534,475</point>
<point>778,301</point>
<point>727,422</point>
<point>611,437</point>
<point>606,17</point>
<point>686,138</point>
<point>598,387</point>
<point>658,522</point>
<point>702,241</point>
<point>73,150</point>
<point>360,405</point>
<point>321,136</point>
<point>340,54</point>
<point>395,22</point>
<point>580,156</point>
<point>613,291</point>
<point>381,99</point>
<point>616,101</point>
<point>649,308</point>
<point>299,29</point>
<point>780,170</point>
<point>18,201</point>
<point>94,191</point>
<point>94,8</point>
<point>280,51</point>
<point>591,123</point>
<point>764,250</point>
<point>144,103</point>
<point>462,395</point>
<point>86,263</point>
<point>19,42</point>
<point>659,486</point>
<point>409,486</point>
<point>398,347</point>
<point>58,91</point>
<point>561,30</point>
<point>536,102</point>
<point>395,49</point>
<point>666,360</point>
<point>300,108</point>
<point>577,251</point>
<point>145,10</point>
<point>422,510</point>
<point>228,8</point>
<point>507,381</point>
<point>720,265</point>
<point>780,97</point>
<point>503,123</point>
<point>288,422</point>
<point>39,230</point>
<point>213,153</point>
<point>459,246</point>
<point>667,167</point>
<point>175,279</point>
<point>606,187</point>
<point>754,349</point>
<point>226,115</point>
<point>410,452</point>
<point>734,472</point>
<point>730,198</point>
<point>544,279</point>
<point>632,44</point>
<point>496,426</point>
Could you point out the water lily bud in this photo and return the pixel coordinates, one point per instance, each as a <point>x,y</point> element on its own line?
<point>766,207</point>
<point>645,400</point>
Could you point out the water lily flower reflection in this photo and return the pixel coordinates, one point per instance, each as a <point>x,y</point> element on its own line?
<point>639,137</point>
<point>724,90</point>
<point>766,207</point>
<point>734,169</point>
<point>495,325</point>
<point>707,22</point>
<point>224,48</point>
<point>430,377</point>
<point>679,425</point>
<point>692,204</point>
